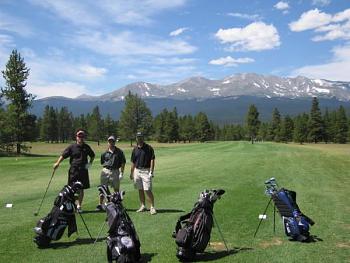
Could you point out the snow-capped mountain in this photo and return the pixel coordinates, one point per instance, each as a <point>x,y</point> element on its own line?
<point>248,84</point>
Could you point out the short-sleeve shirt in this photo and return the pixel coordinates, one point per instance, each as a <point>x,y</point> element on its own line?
<point>113,160</point>
<point>142,156</point>
<point>78,154</point>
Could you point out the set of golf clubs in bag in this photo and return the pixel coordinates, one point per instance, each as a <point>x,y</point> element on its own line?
<point>192,231</point>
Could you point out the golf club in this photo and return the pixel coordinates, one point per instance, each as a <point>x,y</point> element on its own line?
<point>42,200</point>
<point>85,225</point>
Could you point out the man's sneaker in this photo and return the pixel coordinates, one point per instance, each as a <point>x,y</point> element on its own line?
<point>99,208</point>
<point>153,211</point>
<point>141,209</point>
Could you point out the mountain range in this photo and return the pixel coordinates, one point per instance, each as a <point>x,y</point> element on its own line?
<point>225,100</point>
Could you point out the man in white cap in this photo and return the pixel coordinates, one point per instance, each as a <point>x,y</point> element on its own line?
<point>113,162</point>
<point>142,172</point>
<point>78,154</point>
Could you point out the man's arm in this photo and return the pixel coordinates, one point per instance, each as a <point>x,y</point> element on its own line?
<point>152,166</point>
<point>57,163</point>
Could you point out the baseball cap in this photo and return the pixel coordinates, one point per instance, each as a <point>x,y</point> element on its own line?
<point>81,133</point>
<point>111,138</point>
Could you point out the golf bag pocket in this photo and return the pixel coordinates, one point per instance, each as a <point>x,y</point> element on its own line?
<point>184,237</point>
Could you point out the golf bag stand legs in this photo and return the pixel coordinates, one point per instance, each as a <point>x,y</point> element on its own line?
<point>85,226</point>
<point>222,236</point>
<point>262,218</point>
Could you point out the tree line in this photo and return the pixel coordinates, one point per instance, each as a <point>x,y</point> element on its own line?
<point>58,125</point>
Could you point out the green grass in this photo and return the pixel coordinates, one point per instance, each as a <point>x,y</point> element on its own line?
<point>319,174</point>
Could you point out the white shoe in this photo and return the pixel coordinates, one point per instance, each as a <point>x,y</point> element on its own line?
<point>141,209</point>
<point>153,211</point>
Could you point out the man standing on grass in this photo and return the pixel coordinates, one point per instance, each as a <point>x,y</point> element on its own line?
<point>142,168</point>
<point>78,159</point>
<point>112,160</point>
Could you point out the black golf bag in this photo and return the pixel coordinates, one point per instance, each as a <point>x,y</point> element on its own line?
<point>296,224</point>
<point>123,243</point>
<point>52,226</point>
<point>192,231</point>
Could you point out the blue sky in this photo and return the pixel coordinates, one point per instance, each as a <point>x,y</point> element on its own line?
<point>97,46</point>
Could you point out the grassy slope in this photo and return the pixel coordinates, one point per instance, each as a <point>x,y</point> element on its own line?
<point>320,177</point>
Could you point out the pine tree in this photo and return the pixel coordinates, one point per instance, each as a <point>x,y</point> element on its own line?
<point>253,122</point>
<point>300,128</point>
<point>341,132</point>
<point>286,132</point>
<point>110,126</point>
<point>136,116</point>
<point>315,124</point>
<point>275,127</point>
<point>327,133</point>
<point>203,131</point>
<point>95,125</point>
<point>15,75</point>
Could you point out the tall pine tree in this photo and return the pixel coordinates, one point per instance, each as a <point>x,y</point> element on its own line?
<point>315,124</point>
<point>15,75</point>
<point>253,122</point>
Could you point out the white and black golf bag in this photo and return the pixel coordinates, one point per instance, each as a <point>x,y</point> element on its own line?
<point>192,231</point>
<point>52,226</point>
<point>296,224</point>
<point>123,243</point>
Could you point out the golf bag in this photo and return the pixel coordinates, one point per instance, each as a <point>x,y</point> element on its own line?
<point>192,231</point>
<point>296,224</point>
<point>52,226</point>
<point>123,243</point>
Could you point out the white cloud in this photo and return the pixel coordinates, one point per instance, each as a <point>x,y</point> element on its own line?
<point>99,13</point>
<point>281,5</point>
<point>310,20</point>
<point>254,37</point>
<point>127,43</point>
<point>333,27</point>
<point>336,69</point>
<point>16,25</point>
<point>321,2</point>
<point>178,31</point>
<point>230,61</point>
<point>48,89</point>
<point>92,71</point>
<point>245,16</point>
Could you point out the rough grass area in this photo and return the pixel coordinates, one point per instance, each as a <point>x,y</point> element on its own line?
<point>320,174</point>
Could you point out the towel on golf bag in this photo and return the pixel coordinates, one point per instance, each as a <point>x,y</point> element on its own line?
<point>296,224</point>
<point>52,226</point>
<point>192,231</point>
<point>123,243</point>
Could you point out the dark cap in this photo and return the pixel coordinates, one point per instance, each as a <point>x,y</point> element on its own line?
<point>139,134</point>
<point>111,138</point>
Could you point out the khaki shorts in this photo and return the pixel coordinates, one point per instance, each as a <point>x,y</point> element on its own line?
<point>142,179</point>
<point>110,177</point>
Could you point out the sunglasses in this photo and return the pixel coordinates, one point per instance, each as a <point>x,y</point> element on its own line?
<point>81,136</point>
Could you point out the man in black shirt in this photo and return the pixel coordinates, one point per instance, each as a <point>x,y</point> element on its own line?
<point>78,159</point>
<point>142,168</point>
<point>112,160</point>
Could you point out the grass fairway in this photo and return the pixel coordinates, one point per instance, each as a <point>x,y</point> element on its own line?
<point>321,178</point>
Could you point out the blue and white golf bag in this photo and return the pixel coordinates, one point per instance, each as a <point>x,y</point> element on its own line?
<point>296,224</point>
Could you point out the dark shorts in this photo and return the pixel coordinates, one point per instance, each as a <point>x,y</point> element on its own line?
<point>79,174</point>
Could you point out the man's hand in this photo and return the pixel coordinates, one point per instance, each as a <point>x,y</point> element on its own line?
<point>121,175</point>
<point>151,174</point>
<point>131,176</point>
<point>87,166</point>
<point>55,166</point>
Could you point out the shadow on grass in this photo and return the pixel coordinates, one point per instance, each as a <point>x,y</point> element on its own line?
<point>311,239</point>
<point>77,242</point>
<point>209,256</point>
<point>159,211</point>
<point>92,212</point>
<point>147,257</point>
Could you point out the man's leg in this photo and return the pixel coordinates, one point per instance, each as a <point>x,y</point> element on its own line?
<point>150,197</point>
<point>142,197</point>
<point>80,198</point>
